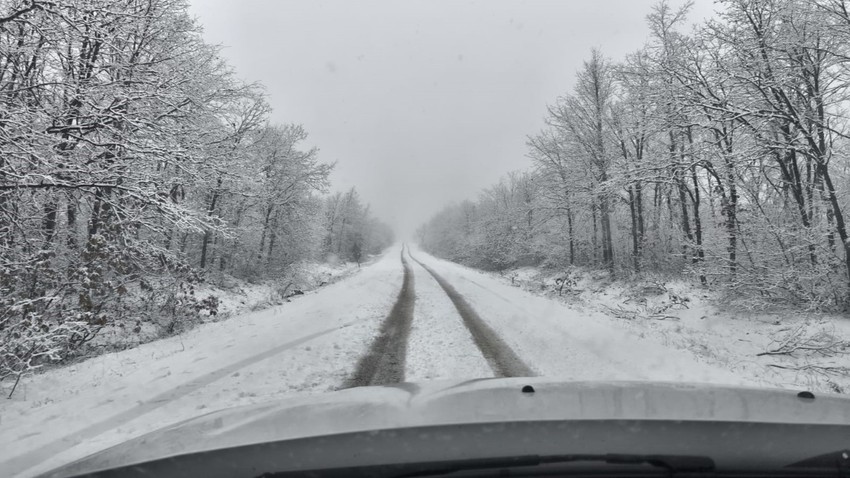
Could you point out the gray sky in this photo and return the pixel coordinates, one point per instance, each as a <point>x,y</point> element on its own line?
<point>421,103</point>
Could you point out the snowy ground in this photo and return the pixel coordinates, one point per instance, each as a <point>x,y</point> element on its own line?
<point>439,345</point>
<point>725,337</point>
<point>312,345</point>
<point>234,297</point>
<point>308,345</point>
<point>237,296</point>
<point>559,341</point>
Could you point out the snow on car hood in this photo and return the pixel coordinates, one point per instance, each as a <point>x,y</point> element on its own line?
<point>475,401</point>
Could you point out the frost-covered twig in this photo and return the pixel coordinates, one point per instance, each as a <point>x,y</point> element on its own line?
<point>642,312</point>
<point>820,343</point>
<point>819,369</point>
<point>622,313</point>
<point>17,380</point>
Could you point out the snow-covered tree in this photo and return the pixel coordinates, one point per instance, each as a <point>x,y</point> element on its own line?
<point>133,163</point>
<point>722,151</point>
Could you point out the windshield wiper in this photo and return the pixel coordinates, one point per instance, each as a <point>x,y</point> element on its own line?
<point>671,463</point>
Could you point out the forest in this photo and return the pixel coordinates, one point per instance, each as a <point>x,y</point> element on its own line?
<point>135,165</point>
<point>717,151</point>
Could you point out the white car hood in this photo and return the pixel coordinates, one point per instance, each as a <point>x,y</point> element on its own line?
<point>476,401</point>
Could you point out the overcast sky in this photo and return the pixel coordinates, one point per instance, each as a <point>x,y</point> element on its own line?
<point>420,103</point>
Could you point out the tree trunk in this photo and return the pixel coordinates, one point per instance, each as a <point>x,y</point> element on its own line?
<point>792,177</point>
<point>272,240</point>
<point>607,241</point>
<point>639,210</point>
<point>205,241</point>
<point>595,232</point>
<point>265,231</point>
<point>699,253</point>
<point>635,241</point>
<point>94,220</point>
<point>208,233</point>
<point>730,212</point>
<point>676,164</point>
<point>49,221</point>
<point>840,226</point>
<point>699,257</point>
<point>686,219</point>
<point>71,221</point>
<point>570,231</point>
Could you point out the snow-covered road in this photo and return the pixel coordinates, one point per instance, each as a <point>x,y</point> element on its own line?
<point>439,345</point>
<point>314,344</point>
<point>557,341</point>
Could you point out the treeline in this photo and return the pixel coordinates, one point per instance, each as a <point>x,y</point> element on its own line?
<point>722,153</point>
<point>133,164</point>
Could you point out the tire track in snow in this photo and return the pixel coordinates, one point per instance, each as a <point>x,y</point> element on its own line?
<point>439,345</point>
<point>384,362</point>
<point>501,357</point>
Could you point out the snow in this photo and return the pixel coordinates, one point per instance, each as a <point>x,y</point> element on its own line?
<point>312,344</point>
<point>705,330</point>
<point>439,346</point>
<point>559,341</point>
<point>236,296</point>
<point>67,413</point>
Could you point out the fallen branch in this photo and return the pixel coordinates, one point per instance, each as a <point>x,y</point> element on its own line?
<point>825,370</point>
<point>622,313</point>
<point>20,374</point>
<point>641,313</point>
<point>664,317</point>
<point>820,343</point>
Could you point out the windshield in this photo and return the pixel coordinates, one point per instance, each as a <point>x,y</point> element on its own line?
<point>207,204</point>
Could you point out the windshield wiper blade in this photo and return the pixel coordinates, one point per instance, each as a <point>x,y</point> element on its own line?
<point>671,463</point>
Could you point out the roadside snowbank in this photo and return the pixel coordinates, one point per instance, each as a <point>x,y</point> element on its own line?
<point>227,296</point>
<point>238,296</point>
<point>574,344</point>
<point>692,319</point>
<point>310,344</point>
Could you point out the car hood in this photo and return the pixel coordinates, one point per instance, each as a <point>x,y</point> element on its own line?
<point>467,402</point>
